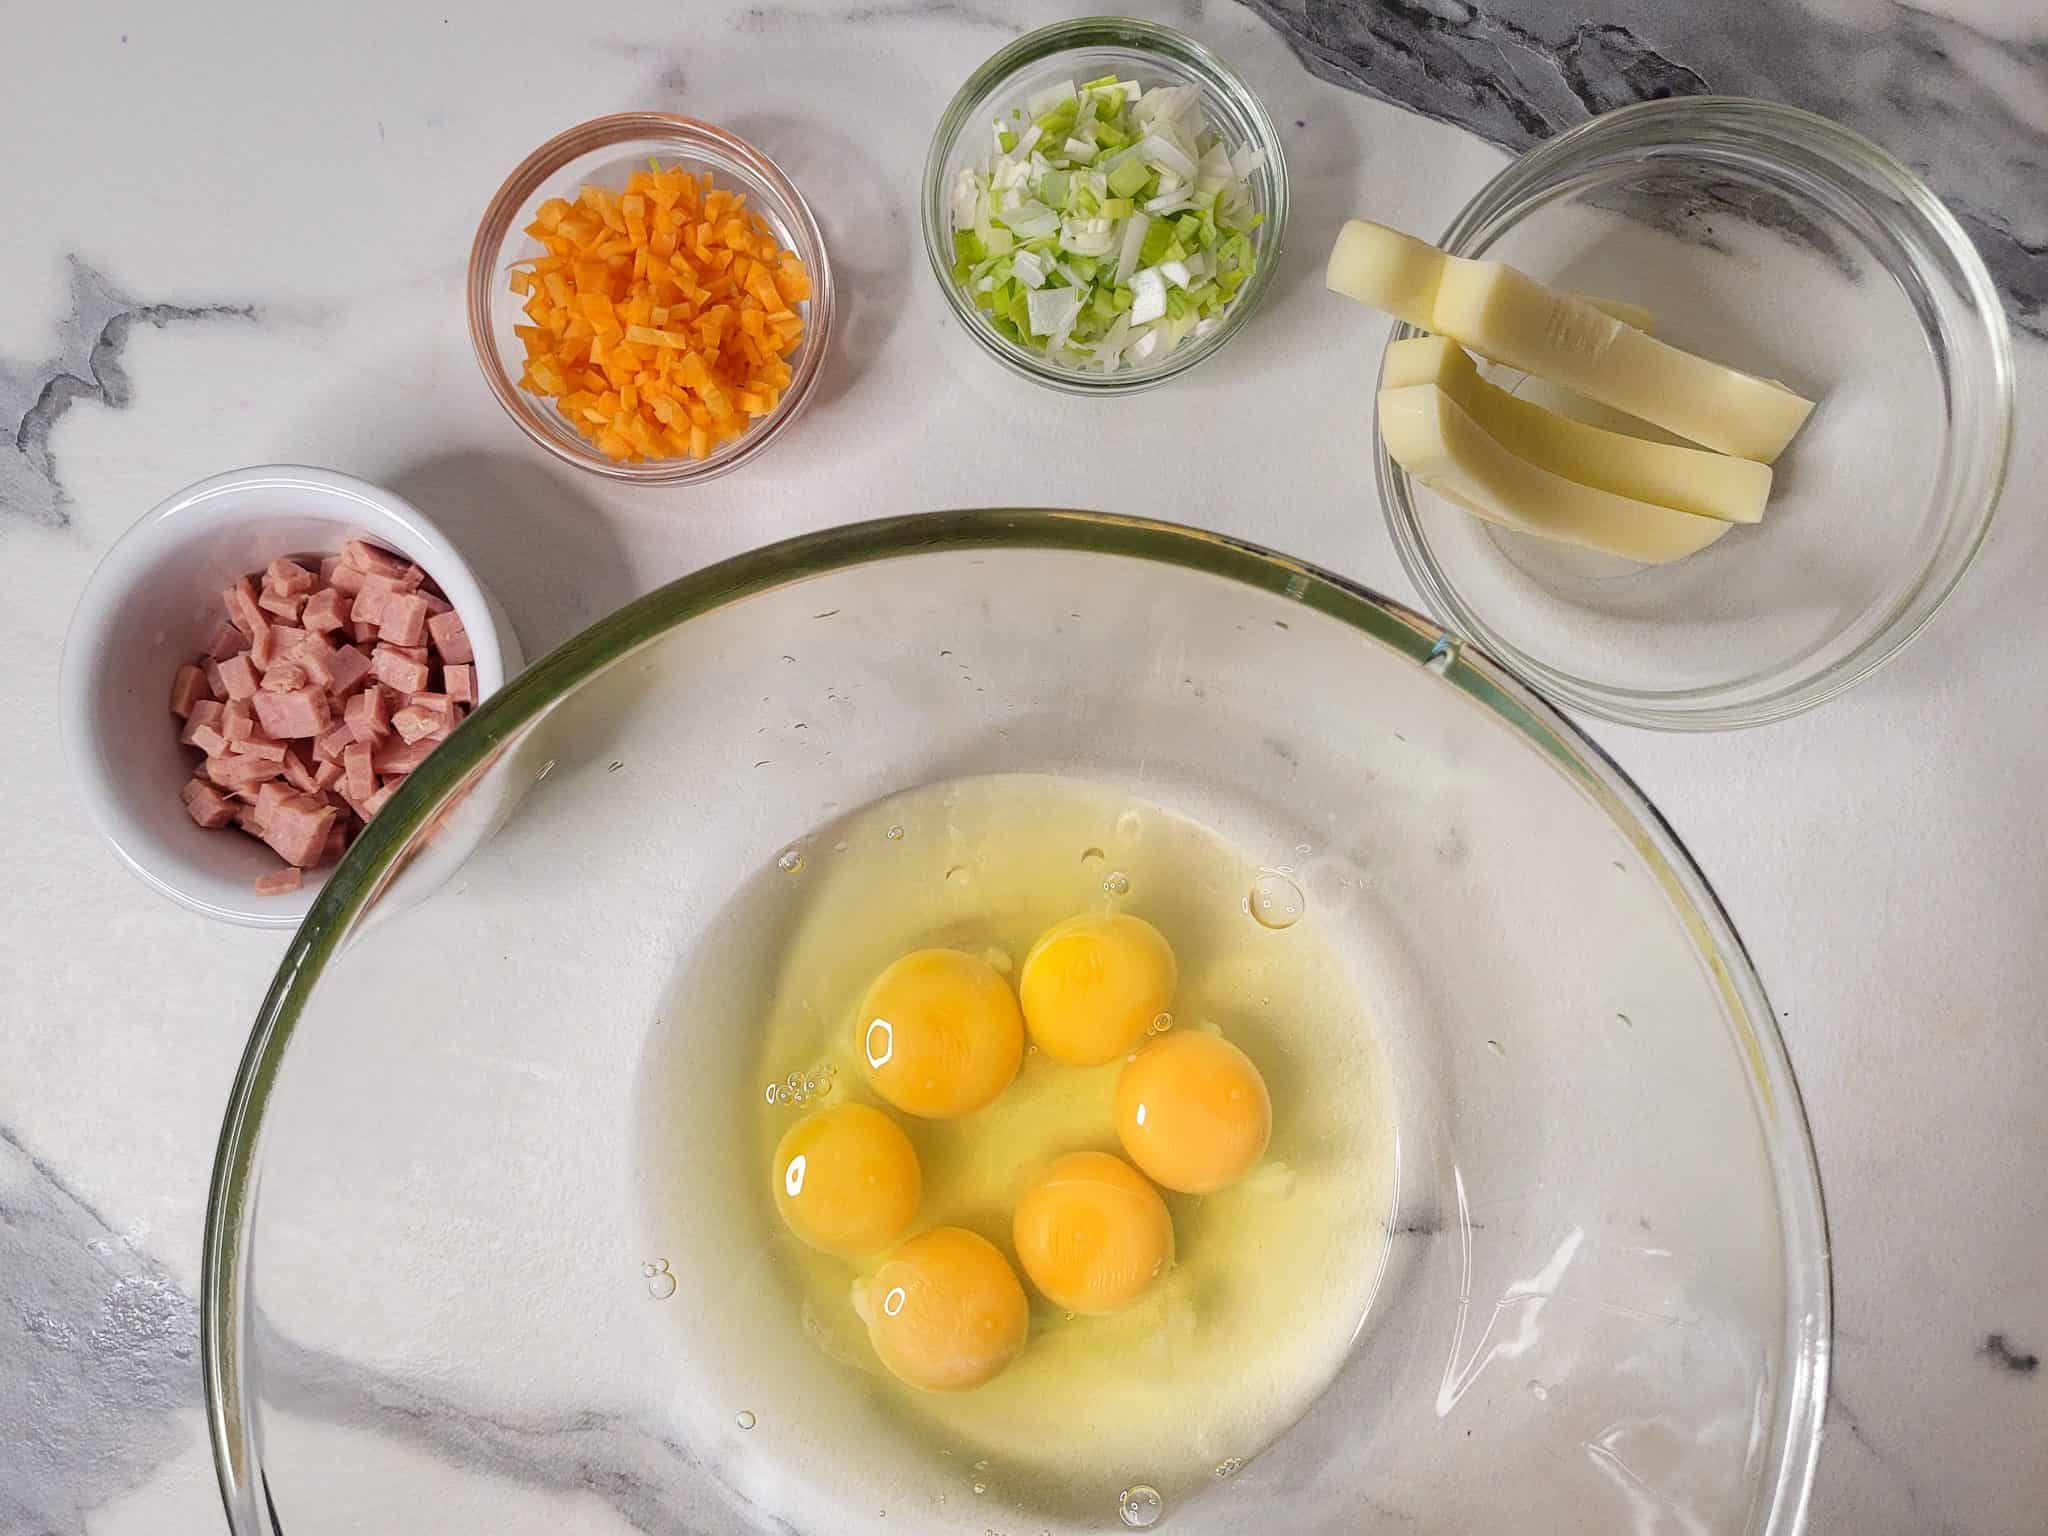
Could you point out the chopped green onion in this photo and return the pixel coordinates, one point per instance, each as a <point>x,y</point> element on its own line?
<point>1059,122</point>
<point>1129,178</point>
<point>1108,223</point>
<point>1158,239</point>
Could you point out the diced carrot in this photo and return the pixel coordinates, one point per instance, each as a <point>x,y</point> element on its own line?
<point>661,317</point>
<point>792,282</point>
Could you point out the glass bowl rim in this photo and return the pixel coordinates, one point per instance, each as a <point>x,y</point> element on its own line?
<point>1662,122</point>
<point>1162,42</point>
<point>690,135</point>
<point>374,858</point>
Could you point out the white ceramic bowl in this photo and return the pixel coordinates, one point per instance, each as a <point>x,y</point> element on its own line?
<point>154,602</point>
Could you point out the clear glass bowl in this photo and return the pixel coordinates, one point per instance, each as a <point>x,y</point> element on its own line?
<point>1784,244</point>
<point>466,1250</point>
<point>607,150</point>
<point>1085,49</point>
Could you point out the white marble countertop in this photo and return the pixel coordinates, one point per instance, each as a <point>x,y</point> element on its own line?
<point>240,238</point>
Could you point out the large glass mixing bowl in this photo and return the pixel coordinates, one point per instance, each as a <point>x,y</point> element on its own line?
<point>473,1265</point>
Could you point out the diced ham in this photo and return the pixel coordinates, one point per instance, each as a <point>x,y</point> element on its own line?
<point>368,607</point>
<point>377,596</point>
<point>325,611</point>
<point>293,715</point>
<point>205,804</point>
<point>367,714</point>
<point>278,882</point>
<point>298,829</point>
<point>313,703</point>
<point>187,689</point>
<point>238,677</point>
<point>368,557</point>
<point>241,770</point>
<point>205,715</point>
<point>328,746</point>
<point>415,724</point>
<point>358,778</point>
<point>347,670</point>
<point>285,605</point>
<point>403,620</point>
<point>316,655</point>
<point>400,757</point>
<point>259,746</point>
<point>240,601</point>
<point>299,772</point>
<point>396,670</point>
<point>269,796</point>
<point>449,638</point>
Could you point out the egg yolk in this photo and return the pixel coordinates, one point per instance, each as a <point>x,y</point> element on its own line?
<point>944,1311</point>
<point>1092,1235</point>
<point>1192,1112</point>
<point>939,1033</point>
<point>1091,986</point>
<point>847,1180</point>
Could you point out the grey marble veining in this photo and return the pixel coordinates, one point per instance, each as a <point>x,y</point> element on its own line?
<point>35,394</point>
<point>654,1481</point>
<point>98,1348</point>
<point>1966,108</point>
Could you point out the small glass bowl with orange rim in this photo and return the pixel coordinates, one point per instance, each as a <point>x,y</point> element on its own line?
<point>605,151</point>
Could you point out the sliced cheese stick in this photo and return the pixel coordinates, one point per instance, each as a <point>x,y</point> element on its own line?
<point>1398,273</point>
<point>1510,317</point>
<point>1432,437</point>
<point>1686,479</point>
<point>1388,270</point>
<point>1627,313</point>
